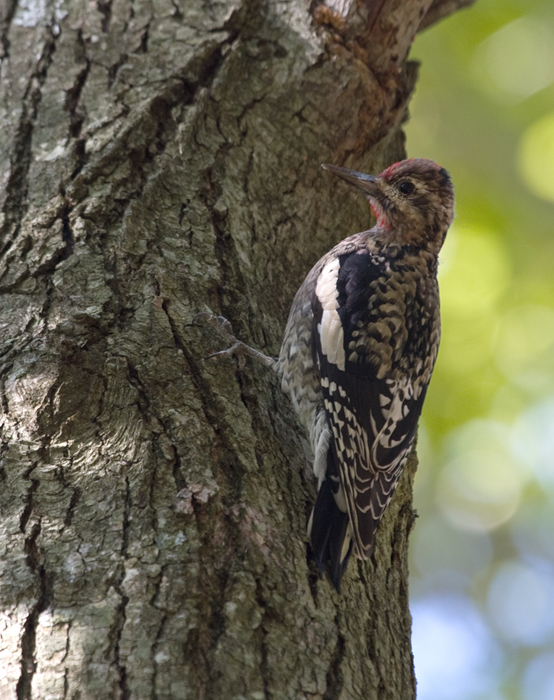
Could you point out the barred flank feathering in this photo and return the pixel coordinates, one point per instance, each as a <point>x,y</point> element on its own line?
<point>358,352</point>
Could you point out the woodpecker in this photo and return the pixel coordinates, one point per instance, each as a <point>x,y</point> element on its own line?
<point>359,348</point>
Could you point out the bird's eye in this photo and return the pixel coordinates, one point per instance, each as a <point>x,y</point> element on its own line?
<point>406,187</point>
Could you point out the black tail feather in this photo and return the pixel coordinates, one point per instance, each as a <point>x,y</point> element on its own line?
<point>327,533</point>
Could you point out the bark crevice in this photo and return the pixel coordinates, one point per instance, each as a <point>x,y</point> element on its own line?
<point>35,562</point>
<point>15,204</point>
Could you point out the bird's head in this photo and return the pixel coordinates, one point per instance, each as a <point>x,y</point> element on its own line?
<point>413,201</point>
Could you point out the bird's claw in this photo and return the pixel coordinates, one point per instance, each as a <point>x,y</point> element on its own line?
<point>224,328</point>
<point>237,350</point>
<point>220,323</point>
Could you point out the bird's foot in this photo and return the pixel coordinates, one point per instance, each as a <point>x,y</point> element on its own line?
<point>238,349</point>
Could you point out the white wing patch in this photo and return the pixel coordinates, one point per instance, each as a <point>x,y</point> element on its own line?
<point>330,328</point>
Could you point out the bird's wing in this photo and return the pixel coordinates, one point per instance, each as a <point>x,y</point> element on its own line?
<point>361,332</point>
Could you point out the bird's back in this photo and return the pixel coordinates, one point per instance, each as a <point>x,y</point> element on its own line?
<point>386,302</point>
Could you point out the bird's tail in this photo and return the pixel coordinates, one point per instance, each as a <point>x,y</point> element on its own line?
<point>330,534</point>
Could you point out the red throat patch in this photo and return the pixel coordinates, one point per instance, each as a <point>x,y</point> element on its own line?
<point>379,214</point>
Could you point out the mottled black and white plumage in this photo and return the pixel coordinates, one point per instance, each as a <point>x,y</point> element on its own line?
<point>358,352</point>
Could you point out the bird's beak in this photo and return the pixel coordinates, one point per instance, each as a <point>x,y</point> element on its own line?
<point>366,183</point>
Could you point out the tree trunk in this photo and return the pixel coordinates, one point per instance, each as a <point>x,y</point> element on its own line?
<point>160,158</point>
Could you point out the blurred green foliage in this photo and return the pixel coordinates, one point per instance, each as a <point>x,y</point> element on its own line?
<point>484,109</point>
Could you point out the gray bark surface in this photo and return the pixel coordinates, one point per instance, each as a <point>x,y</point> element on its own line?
<point>160,158</point>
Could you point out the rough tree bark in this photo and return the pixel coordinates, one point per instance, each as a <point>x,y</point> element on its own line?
<point>160,158</point>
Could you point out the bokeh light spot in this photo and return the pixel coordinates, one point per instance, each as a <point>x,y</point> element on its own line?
<point>480,486</point>
<point>525,333</point>
<point>536,157</point>
<point>532,440</point>
<point>476,275</point>
<point>454,654</point>
<point>467,343</point>
<point>532,527</point>
<point>437,547</point>
<point>538,681</point>
<point>518,60</point>
<point>521,602</point>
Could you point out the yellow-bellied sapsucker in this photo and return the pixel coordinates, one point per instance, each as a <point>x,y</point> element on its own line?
<point>358,352</point>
